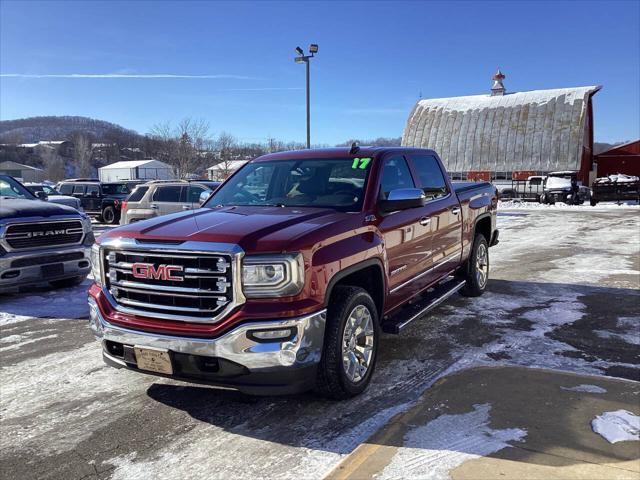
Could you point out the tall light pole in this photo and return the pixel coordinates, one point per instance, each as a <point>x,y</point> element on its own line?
<point>302,58</point>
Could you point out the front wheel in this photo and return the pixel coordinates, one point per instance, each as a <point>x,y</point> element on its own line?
<point>351,344</point>
<point>476,272</point>
<point>109,215</point>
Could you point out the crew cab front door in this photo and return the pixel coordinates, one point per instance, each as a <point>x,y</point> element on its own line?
<point>406,234</point>
<point>444,213</point>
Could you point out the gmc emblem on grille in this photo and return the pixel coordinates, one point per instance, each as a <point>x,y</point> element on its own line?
<point>161,272</point>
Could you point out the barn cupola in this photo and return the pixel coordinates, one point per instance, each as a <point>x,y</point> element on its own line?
<point>498,87</point>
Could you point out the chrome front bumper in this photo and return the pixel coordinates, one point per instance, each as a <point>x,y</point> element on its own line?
<point>302,350</point>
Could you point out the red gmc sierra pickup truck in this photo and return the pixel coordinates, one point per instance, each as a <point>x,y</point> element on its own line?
<point>286,276</point>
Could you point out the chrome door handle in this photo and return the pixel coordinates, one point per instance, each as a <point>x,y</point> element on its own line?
<point>154,207</point>
<point>186,207</point>
<point>455,210</point>
<point>424,221</point>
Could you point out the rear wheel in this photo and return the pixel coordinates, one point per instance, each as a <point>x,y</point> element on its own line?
<point>476,272</point>
<point>351,344</point>
<point>109,215</point>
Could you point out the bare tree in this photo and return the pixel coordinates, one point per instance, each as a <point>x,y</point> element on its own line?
<point>53,163</point>
<point>185,146</point>
<point>226,147</point>
<point>82,155</point>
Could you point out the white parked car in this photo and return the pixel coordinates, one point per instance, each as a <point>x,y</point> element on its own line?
<point>47,192</point>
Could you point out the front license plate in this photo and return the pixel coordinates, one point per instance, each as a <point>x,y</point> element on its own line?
<point>153,360</point>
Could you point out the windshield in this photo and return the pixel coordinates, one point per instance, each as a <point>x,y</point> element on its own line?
<point>558,182</point>
<point>114,188</point>
<point>12,189</point>
<point>334,183</point>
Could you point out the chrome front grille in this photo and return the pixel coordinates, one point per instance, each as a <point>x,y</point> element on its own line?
<point>176,285</point>
<point>22,236</point>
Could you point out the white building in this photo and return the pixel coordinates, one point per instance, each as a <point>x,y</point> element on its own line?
<point>221,171</point>
<point>136,170</point>
<point>24,173</point>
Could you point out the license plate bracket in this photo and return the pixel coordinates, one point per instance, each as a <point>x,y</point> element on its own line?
<point>52,270</point>
<point>156,360</point>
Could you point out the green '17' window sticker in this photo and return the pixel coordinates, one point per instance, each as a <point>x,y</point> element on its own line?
<point>360,163</point>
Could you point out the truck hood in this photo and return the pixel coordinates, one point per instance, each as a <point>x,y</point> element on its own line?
<point>266,229</point>
<point>23,208</point>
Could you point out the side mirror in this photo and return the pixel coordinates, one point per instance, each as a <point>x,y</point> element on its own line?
<point>402,199</point>
<point>41,195</point>
<point>204,196</point>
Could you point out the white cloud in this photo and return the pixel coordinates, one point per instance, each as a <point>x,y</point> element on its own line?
<point>122,75</point>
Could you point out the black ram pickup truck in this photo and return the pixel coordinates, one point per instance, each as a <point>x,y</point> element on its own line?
<point>40,241</point>
<point>101,200</point>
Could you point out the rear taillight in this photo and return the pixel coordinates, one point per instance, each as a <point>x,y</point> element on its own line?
<point>124,205</point>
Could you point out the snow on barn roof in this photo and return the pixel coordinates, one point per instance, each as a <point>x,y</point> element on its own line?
<point>537,130</point>
<point>130,164</point>
<point>230,165</point>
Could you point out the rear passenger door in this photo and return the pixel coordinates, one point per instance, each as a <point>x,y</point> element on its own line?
<point>166,199</point>
<point>444,210</point>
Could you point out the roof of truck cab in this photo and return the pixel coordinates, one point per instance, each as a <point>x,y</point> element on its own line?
<point>338,152</point>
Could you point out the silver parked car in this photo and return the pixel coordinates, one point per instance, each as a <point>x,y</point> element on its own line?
<point>161,197</point>
<point>49,193</point>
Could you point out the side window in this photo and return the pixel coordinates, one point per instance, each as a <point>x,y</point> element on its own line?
<point>168,193</point>
<point>431,178</point>
<point>137,194</point>
<point>78,189</point>
<point>93,188</point>
<point>395,174</point>
<point>66,189</point>
<point>194,194</point>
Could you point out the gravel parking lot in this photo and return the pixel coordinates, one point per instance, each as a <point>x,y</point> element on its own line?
<point>564,294</point>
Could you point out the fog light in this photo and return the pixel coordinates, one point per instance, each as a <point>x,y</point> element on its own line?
<point>94,318</point>
<point>275,335</point>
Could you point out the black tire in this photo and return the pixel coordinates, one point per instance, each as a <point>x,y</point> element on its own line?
<point>593,202</point>
<point>68,282</point>
<point>475,285</point>
<point>332,380</point>
<point>109,215</point>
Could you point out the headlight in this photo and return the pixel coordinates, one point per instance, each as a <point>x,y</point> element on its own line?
<point>272,275</point>
<point>95,264</point>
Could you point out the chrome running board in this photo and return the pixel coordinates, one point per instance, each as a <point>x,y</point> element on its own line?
<point>432,298</point>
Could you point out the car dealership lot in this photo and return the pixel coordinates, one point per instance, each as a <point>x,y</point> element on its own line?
<point>563,295</point>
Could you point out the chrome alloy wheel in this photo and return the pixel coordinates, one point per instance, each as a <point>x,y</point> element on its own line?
<point>357,343</point>
<point>482,265</point>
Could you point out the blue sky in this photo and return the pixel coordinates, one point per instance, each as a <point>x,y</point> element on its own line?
<point>375,59</point>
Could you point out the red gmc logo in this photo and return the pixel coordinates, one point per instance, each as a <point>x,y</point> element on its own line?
<point>161,272</point>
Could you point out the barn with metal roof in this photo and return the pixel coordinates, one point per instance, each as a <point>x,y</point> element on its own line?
<point>504,136</point>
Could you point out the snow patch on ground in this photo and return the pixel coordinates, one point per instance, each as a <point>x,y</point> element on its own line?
<point>17,346</point>
<point>631,337</point>
<point>431,451</point>
<point>585,389</point>
<point>64,391</point>
<point>56,303</point>
<point>617,426</point>
<point>519,205</point>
